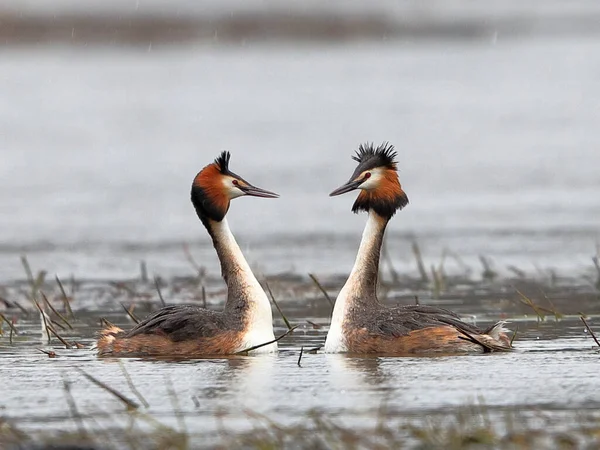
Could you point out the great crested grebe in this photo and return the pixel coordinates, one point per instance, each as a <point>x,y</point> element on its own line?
<point>190,331</point>
<point>360,323</point>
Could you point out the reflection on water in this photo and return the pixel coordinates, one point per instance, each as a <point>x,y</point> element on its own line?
<point>226,393</point>
<point>251,385</point>
<point>354,372</point>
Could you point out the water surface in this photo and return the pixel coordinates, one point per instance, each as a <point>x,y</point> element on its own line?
<point>553,369</point>
<point>496,142</point>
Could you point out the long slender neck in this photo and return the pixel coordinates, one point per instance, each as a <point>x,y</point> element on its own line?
<point>245,295</point>
<point>361,286</point>
<point>364,275</point>
<point>358,296</point>
<point>233,263</point>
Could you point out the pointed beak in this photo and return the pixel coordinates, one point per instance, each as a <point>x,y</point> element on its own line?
<point>257,192</point>
<point>349,186</point>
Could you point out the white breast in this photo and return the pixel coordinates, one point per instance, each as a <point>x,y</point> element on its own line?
<point>335,342</point>
<point>259,336</point>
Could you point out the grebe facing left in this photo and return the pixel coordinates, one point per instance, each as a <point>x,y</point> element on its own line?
<point>360,323</point>
<point>191,331</point>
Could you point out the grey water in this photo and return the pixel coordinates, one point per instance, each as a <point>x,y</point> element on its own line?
<point>498,150</point>
<point>496,138</point>
<point>553,369</point>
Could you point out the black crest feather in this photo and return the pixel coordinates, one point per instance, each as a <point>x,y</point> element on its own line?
<point>368,156</point>
<point>223,162</point>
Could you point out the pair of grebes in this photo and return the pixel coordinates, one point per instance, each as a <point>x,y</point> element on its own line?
<point>360,323</point>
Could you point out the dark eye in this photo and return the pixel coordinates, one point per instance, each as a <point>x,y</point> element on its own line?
<point>235,182</point>
<point>367,175</point>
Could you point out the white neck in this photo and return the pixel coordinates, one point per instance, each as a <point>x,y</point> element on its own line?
<point>229,252</point>
<point>243,287</point>
<point>361,285</point>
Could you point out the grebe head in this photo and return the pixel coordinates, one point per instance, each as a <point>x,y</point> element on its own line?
<point>377,178</point>
<point>215,186</point>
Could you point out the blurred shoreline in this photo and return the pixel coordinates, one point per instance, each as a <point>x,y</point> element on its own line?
<point>64,23</point>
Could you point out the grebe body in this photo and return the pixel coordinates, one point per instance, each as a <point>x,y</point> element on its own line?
<point>191,331</point>
<point>360,323</point>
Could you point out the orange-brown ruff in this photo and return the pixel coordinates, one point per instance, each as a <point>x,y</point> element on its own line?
<point>360,323</point>
<point>209,180</point>
<point>388,192</point>
<point>191,331</point>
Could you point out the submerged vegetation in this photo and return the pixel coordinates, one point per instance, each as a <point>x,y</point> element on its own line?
<point>468,427</point>
<point>63,311</point>
<point>516,293</point>
<point>68,312</point>
<point>295,297</point>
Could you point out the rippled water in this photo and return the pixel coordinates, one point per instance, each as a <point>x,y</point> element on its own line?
<point>554,369</point>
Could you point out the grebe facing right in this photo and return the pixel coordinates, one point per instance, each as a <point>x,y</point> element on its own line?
<point>360,323</point>
<point>191,331</point>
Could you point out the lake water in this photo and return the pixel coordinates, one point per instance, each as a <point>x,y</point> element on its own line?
<point>497,147</point>
<point>498,151</point>
<point>553,372</point>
